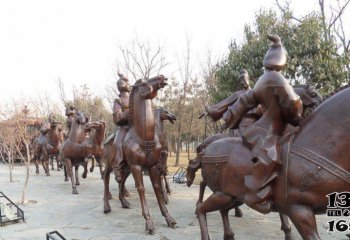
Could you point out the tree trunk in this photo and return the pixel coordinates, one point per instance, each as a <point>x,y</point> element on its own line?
<point>178,143</point>
<point>27,162</point>
<point>188,136</point>
<point>10,163</point>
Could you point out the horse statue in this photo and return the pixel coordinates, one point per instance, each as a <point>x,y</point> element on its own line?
<point>109,152</point>
<point>314,164</point>
<point>77,147</point>
<point>162,115</point>
<point>48,145</point>
<point>310,98</point>
<point>142,148</point>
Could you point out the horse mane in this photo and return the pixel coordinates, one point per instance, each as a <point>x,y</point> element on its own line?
<point>131,102</point>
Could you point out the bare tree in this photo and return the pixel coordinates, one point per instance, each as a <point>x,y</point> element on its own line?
<point>15,137</point>
<point>140,59</point>
<point>185,72</point>
<point>7,143</point>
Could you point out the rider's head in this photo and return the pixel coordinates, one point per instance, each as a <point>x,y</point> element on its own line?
<point>276,56</point>
<point>123,83</point>
<point>244,79</point>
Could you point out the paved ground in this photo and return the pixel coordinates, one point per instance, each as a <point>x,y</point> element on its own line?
<point>81,216</point>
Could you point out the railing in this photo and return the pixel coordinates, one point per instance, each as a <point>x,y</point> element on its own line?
<point>54,235</point>
<point>180,175</point>
<point>9,211</point>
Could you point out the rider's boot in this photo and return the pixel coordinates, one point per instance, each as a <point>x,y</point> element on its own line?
<point>118,172</point>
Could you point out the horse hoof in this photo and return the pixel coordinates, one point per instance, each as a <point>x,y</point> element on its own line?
<point>83,175</point>
<point>66,179</point>
<point>91,169</point>
<point>229,237</point>
<point>289,237</point>
<point>75,191</point>
<point>58,169</point>
<point>150,227</point>
<point>47,174</point>
<point>37,171</point>
<point>77,183</point>
<point>170,221</point>
<point>125,203</point>
<point>238,213</point>
<point>106,208</point>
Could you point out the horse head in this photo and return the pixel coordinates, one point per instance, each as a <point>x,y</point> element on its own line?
<point>98,136</point>
<point>310,97</point>
<point>56,132</point>
<point>80,118</point>
<point>148,88</point>
<point>165,115</point>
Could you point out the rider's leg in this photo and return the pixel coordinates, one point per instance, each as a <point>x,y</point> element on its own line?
<point>118,143</point>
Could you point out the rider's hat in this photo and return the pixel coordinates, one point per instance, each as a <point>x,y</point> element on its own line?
<point>123,83</point>
<point>276,56</point>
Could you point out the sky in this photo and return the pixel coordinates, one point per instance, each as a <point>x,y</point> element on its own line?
<point>77,41</point>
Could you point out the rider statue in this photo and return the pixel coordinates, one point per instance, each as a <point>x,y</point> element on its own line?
<point>216,112</point>
<point>69,113</point>
<point>120,118</point>
<point>281,105</point>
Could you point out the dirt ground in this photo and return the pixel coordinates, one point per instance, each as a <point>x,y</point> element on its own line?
<point>81,216</point>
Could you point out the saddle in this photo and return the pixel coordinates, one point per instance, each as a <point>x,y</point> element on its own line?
<point>213,167</point>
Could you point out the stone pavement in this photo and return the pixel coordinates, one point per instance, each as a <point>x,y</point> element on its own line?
<point>81,216</point>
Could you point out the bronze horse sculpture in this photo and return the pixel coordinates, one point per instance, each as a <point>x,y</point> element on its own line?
<point>310,98</point>
<point>77,147</point>
<point>142,148</point>
<point>314,164</point>
<point>48,145</point>
<point>109,152</point>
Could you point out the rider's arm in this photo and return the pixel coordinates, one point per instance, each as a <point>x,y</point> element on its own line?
<point>234,113</point>
<point>119,115</point>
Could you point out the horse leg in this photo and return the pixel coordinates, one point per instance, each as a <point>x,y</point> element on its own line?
<point>92,168</point>
<point>69,169</point>
<point>58,164</point>
<point>228,233</point>
<point>36,166</point>
<point>122,189</point>
<point>137,174</point>
<point>285,227</point>
<point>85,165</point>
<point>101,168</point>
<point>167,185</point>
<point>51,163</point>
<point>163,187</point>
<point>216,201</point>
<point>45,161</point>
<point>65,173</point>
<point>202,186</point>
<point>107,195</point>
<point>77,174</point>
<point>304,220</point>
<point>238,212</point>
<point>155,179</point>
